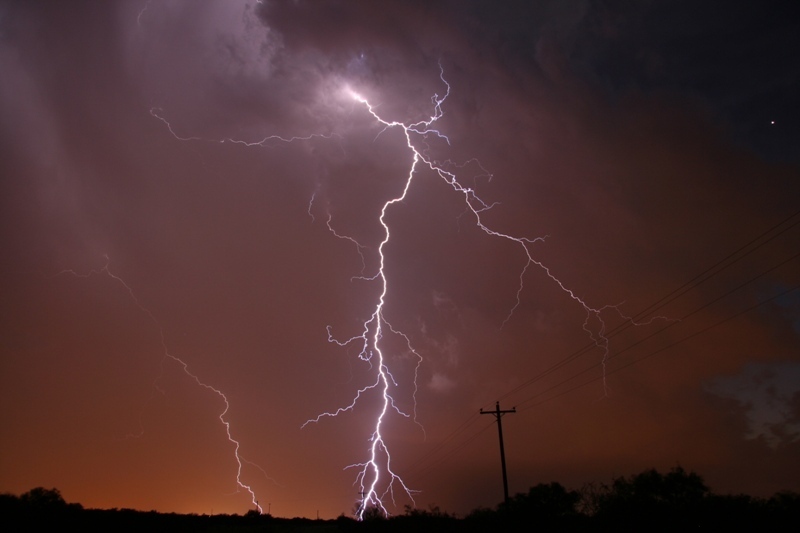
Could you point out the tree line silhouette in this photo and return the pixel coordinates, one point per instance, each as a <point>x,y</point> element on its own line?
<point>648,501</point>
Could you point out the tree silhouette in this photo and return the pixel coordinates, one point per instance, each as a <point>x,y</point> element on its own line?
<point>43,499</point>
<point>653,500</point>
<point>648,501</point>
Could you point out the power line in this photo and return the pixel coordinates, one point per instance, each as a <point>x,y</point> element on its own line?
<point>594,379</point>
<point>460,429</point>
<point>697,280</point>
<point>743,251</point>
<point>651,354</point>
<point>450,453</point>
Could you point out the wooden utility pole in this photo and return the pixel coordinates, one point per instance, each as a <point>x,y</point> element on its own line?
<point>499,415</point>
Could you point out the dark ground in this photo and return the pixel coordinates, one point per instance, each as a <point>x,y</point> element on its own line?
<point>648,501</point>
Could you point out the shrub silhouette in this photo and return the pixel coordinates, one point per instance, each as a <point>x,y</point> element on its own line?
<point>543,502</point>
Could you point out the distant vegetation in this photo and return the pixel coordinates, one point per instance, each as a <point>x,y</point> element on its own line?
<point>649,501</point>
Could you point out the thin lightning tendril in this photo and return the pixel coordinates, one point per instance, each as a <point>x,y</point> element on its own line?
<point>269,141</point>
<point>185,367</point>
<point>359,247</point>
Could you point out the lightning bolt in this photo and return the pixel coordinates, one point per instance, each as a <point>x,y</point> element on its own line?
<point>185,367</point>
<point>378,463</point>
<point>375,477</point>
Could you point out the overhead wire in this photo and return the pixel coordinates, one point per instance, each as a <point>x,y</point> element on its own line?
<point>655,352</point>
<point>697,280</point>
<point>740,253</point>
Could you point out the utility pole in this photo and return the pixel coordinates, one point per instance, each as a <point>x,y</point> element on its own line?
<point>498,414</point>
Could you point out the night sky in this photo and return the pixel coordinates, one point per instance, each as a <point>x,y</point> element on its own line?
<point>191,202</point>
